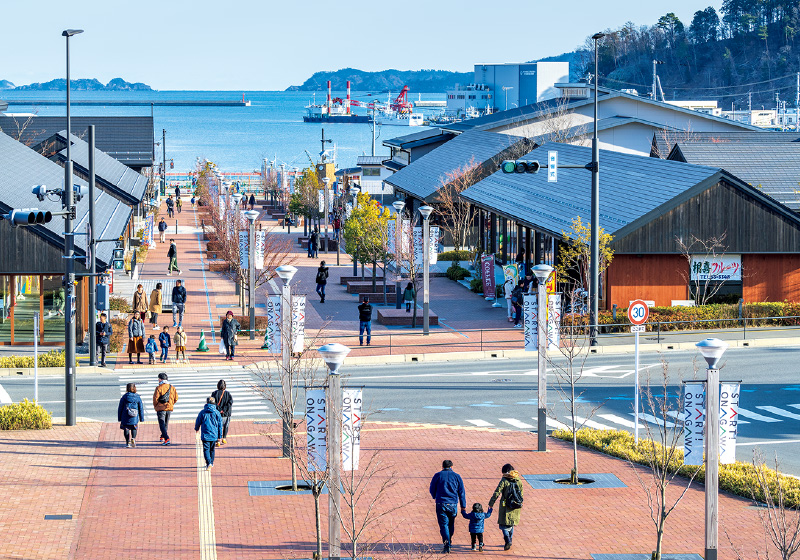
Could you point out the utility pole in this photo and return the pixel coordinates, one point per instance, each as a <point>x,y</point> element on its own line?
<point>323,141</point>
<point>373,128</point>
<point>594,259</point>
<point>90,245</point>
<point>655,79</point>
<point>164,159</point>
<point>797,105</point>
<point>749,101</point>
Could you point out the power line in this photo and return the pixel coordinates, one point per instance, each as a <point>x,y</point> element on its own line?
<point>704,88</point>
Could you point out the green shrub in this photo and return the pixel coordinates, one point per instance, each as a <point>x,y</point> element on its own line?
<point>455,272</point>
<point>476,285</point>
<point>456,256</point>
<point>119,335</point>
<point>737,478</point>
<point>118,303</point>
<point>25,415</point>
<point>53,358</point>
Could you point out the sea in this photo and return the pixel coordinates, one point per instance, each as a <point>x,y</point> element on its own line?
<point>237,139</point>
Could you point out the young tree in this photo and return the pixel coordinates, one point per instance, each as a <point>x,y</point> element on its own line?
<point>574,257</point>
<point>405,260</point>
<point>366,233</point>
<point>456,215</point>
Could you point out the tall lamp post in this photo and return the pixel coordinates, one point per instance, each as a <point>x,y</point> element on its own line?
<point>542,273</point>
<point>252,216</point>
<point>68,203</point>
<point>286,272</point>
<point>398,224</point>
<point>354,193</point>
<point>237,198</point>
<point>594,259</point>
<point>712,350</point>
<point>334,354</point>
<point>325,182</point>
<point>426,260</point>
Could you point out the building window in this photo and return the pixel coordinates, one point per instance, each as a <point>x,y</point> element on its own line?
<point>370,172</point>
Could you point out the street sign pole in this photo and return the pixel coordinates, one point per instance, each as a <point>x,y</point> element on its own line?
<point>638,313</point>
<point>636,395</point>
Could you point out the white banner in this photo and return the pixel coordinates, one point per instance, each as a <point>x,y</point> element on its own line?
<point>274,324</point>
<point>724,268</point>
<point>261,246</point>
<point>728,422</point>
<point>321,197</point>
<point>694,419</point>
<point>244,251</point>
<point>298,323</point>
<point>317,429</point>
<point>433,249</point>
<point>221,207</point>
<point>348,208</point>
<point>531,315</point>
<point>391,234</point>
<point>553,321</point>
<point>351,428</point>
<point>419,246</point>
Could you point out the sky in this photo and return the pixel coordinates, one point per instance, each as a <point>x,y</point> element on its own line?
<point>271,45</point>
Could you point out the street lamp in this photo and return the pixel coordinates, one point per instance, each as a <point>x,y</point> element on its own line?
<point>237,198</point>
<point>594,259</point>
<point>286,272</point>
<point>712,350</point>
<point>334,354</point>
<point>354,193</point>
<point>68,202</point>
<point>252,216</point>
<point>542,273</point>
<point>398,224</point>
<point>426,213</point>
<point>325,182</point>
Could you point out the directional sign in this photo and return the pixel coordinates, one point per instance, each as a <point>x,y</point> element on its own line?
<point>552,167</point>
<point>638,312</point>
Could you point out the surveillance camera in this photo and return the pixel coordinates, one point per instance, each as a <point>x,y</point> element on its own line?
<point>40,191</point>
<point>80,191</point>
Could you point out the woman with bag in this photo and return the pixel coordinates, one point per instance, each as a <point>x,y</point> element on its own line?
<point>139,302</point>
<point>156,299</point>
<point>228,334</point>
<point>135,338</point>
<point>129,412</point>
<point>224,402</point>
<point>509,491</point>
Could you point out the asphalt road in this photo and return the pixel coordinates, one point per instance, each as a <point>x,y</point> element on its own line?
<point>493,393</point>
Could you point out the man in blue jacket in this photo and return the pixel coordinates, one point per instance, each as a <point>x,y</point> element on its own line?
<point>209,424</point>
<point>447,489</point>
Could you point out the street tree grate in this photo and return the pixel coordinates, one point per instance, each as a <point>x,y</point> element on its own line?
<point>547,482</point>
<point>645,557</point>
<point>58,517</point>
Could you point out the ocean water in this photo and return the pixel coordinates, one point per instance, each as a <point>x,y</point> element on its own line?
<point>235,138</point>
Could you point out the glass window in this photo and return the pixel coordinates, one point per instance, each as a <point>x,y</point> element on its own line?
<point>28,298</point>
<point>53,313</point>
<point>5,309</point>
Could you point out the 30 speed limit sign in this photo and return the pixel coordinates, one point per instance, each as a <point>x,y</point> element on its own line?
<point>638,312</point>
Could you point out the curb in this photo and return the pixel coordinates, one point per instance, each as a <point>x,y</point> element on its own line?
<point>54,371</point>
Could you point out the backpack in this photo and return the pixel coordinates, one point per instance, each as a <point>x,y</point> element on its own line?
<point>164,399</point>
<point>513,496</point>
<point>321,276</point>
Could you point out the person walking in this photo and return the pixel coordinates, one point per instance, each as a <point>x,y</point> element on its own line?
<point>476,518</point>
<point>408,296</point>
<point>337,225</point>
<point>164,398</point>
<point>313,240</point>
<point>509,492</point>
<point>164,341</point>
<point>322,280</point>
<point>229,334</point>
<point>364,321</point>
<point>172,255</point>
<point>180,344</point>
<point>516,301</point>
<point>135,338</point>
<point>140,302</point>
<point>209,424</point>
<point>508,289</point>
<point>225,406</point>
<point>447,490</point>
<point>193,201</point>
<point>170,207</point>
<point>156,300</point>
<point>129,412</point>
<point>151,348</point>
<point>177,191</point>
<point>178,303</point>
<point>162,230</point>
<point>102,337</point>
<point>178,204</point>
<point>252,201</point>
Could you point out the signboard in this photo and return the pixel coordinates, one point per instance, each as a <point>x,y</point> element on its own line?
<point>550,285</point>
<point>531,315</point>
<point>273,335</point>
<point>717,269</point>
<point>418,245</point>
<point>553,321</point>
<point>433,248</point>
<point>728,422</point>
<point>552,167</point>
<point>317,429</point>
<point>261,246</point>
<point>511,271</point>
<point>638,328</point>
<point>351,428</point>
<point>694,419</point>
<point>321,197</point>
<point>244,251</point>
<point>391,235</point>
<point>221,207</point>
<point>487,275</point>
<point>638,312</point>
<point>298,323</point>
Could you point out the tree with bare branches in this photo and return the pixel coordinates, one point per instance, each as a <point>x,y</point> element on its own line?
<point>456,216</point>
<point>699,253</point>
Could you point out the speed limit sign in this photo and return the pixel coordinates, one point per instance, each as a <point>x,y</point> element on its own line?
<point>638,312</point>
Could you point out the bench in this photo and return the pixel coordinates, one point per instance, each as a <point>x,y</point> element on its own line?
<point>343,280</point>
<point>401,318</point>
<point>331,244</point>
<point>365,287</point>
<point>376,298</point>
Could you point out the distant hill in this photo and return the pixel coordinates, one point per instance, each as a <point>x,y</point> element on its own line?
<point>117,84</point>
<point>418,81</point>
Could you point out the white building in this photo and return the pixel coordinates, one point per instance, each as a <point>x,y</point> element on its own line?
<point>372,175</point>
<point>516,85</point>
<point>471,100</point>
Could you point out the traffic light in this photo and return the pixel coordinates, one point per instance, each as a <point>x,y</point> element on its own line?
<point>28,217</point>
<point>520,166</point>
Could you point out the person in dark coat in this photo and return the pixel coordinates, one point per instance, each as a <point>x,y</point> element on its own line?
<point>224,401</point>
<point>476,518</point>
<point>170,207</point>
<point>322,280</point>
<point>252,201</point>
<point>209,424</point>
<point>178,303</point>
<point>129,412</point>
<point>365,321</point>
<point>516,301</point>
<point>507,518</point>
<point>313,244</point>
<point>172,255</point>
<point>135,338</point>
<point>447,490</point>
<point>102,332</point>
<point>162,230</point>
<point>230,328</point>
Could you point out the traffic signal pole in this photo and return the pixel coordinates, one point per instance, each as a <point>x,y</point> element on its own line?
<point>90,246</point>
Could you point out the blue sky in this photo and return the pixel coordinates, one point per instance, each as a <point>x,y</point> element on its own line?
<point>270,45</point>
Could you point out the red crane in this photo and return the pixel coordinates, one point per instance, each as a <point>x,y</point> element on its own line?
<point>401,104</point>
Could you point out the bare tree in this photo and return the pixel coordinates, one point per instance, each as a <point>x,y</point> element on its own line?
<point>456,215</point>
<point>701,256</point>
<point>406,263</point>
<point>661,450</point>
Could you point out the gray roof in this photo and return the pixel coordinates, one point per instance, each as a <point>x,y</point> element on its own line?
<point>420,138</point>
<point>120,180</point>
<point>664,142</point>
<point>22,168</point>
<point>773,168</point>
<point>370,160</point>
<point>630,187</point>
<point>347,171</point>
<point>606,124</point>
<point>129,140</point>
<point>423,177</point>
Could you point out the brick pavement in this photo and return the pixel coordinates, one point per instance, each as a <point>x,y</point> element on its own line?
<point>133,502</point>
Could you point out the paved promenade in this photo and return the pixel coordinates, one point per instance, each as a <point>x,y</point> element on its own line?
<point>154,501</point>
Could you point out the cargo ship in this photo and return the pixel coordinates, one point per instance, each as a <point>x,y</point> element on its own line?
<point>334,110</point>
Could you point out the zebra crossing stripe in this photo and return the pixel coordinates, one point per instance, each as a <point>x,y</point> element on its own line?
<point>780,412</point>
<point>591,423</point>
<point>653,420</point>
<point>617,420</point>
<point>481,423</point>
<point>756,416</point>
<point>555,424</point>
<point>516,423</point>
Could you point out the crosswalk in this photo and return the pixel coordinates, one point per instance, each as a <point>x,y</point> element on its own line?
<point>616,420</point>
<point>193,389</point>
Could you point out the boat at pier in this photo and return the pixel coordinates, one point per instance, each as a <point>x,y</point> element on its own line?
<point>334,110</point>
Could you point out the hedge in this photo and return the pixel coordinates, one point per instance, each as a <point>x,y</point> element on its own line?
<point>119,303</point>
<point>455,256</point>
<point>737,478</point>
<point>725,315</point>
<point>457,272</point>
<point>53,358</point>
<point>25,415</point>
